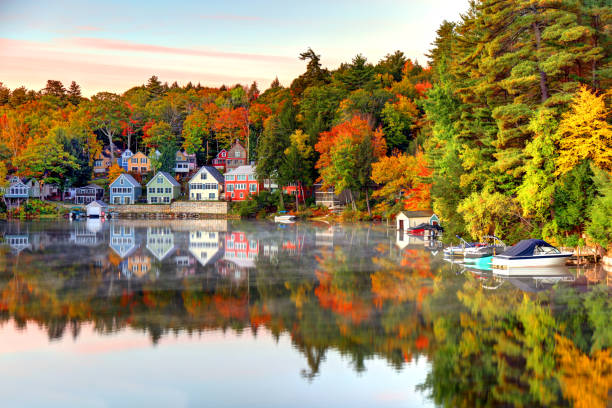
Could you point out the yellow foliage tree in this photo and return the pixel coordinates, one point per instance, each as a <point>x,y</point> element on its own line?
<point>114,171</point>
<point>584,133</point>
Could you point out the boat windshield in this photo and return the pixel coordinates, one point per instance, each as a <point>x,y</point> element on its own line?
<point>542,250</point>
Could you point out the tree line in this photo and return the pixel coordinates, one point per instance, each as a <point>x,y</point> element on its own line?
<point>506,130</point>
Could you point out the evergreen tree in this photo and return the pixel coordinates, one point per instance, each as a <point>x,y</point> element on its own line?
<point>74,93</point>
<point>154,87</point>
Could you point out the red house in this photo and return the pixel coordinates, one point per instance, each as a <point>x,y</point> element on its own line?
<point>241,182</point>
<point>219,161</point>
<point>302,192</point>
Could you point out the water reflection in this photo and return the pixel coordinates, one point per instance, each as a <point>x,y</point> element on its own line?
<point>487,339</point>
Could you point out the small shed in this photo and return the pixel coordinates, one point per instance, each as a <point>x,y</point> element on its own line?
<point>96,209</point>
<point>405,220</point>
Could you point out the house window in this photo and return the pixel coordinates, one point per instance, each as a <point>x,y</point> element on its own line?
<point>241,177</point>
<point>98,163</point>
<point>229,178</point>
<point>151,190</point>
<point>144,160</point>
<point>166,199</point>
<point>211,196</point>
<point>230,187</point>
<point>160,180</point>
<point>154,199</point>
<point>237,153</point>
<point>160,190</point>
<point>241,195</point>
<point>203,175</point>
<point>121,181</point>
<point>253,187</point>
<point>168,190</point>
<point>143,169</point>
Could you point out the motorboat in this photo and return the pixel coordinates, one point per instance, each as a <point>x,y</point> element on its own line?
<point>530,253</point>
<point>285,219</point>
<point>490,246</point>
<point>421,228</point>
<point>459,250</point>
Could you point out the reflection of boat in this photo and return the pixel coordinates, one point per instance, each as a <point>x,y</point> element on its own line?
<point>285,219</point>
<point>530,253</point>
<point>535,279</point>
<point>490,247</point>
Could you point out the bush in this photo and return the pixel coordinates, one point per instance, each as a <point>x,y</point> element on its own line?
<point>34,209</point>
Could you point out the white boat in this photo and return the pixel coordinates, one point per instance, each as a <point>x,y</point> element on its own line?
<point>530,253</point>
<point>458,250</point>
<point>285,219</point>
<point>491,245</point>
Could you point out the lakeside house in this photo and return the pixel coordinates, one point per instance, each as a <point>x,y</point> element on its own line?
<point>327,196</point>
<point>124,159</point>
<point>241,182</point>
<point>185,163</point>
<point>206,184</point>
<point>162,188</point>
<point>17,193</point>
<point>34,188</point>
<point>298,189</point>
<point>125,190</point>
<point>102,162</point>
<point>87,194</point>
<point>236,157</point>
<point>96,208</point>
<point>219,161</point>
<point>139,163</point>
<point>405,220</point>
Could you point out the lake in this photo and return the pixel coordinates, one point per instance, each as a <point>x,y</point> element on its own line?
<point>221,313</point>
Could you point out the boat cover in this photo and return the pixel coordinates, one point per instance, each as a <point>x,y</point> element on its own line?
<point>427,227</point>
<point>526,247</point>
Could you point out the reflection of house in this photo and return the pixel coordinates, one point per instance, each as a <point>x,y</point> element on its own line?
<point>240,250</point>
<point>84,234</point>
<point>160,241</point>
<point>325,237</point>
<point>407,219</point>
<point>185,265</point>
<point>122,239</point>
<point>205,246</point>
<point>87,194</point>
<point>18,242</point>
<point>139,264</point>
<point>206,184</point>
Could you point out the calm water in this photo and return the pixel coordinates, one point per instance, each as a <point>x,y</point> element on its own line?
<point>217,313</point>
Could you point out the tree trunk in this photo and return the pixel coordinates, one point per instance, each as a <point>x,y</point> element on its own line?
<point>543,79</point>
<point>109,135</point>
<point>297,193</point>
<point>368,202</point>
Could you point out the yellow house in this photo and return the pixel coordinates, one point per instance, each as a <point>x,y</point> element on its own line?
<point>139,163</point>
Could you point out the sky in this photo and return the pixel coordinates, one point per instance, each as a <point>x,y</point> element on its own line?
<point>113,45</point>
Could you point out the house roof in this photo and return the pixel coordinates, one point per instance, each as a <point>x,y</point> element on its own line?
<point>131,180</point>
<point>212,171</point>
<point>94,186</point>
<point>139,154</point>
<point>411,214</point>
<point>248,169</point>
<point>167,176</point>
<point>98,203</point>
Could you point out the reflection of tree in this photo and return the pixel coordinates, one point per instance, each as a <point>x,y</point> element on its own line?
<point>485,347</point>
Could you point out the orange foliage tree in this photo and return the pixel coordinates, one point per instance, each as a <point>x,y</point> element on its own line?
<point>347,152</point>
<point>231,125</point>
<point>404,177</point>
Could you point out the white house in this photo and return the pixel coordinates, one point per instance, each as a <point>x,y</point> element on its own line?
<point>405,220</point>
<point>206,184</point>
<point>96,209</point>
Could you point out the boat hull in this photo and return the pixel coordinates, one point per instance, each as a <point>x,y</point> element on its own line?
<point>505,262</point>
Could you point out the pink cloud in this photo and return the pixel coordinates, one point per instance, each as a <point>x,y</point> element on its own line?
<point>119,45</point>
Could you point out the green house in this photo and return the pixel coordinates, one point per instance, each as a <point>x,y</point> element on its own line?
<point>162,189</point>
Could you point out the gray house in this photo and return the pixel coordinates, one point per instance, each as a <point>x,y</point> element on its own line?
<point>162,188</point>
<point>125,190</point>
